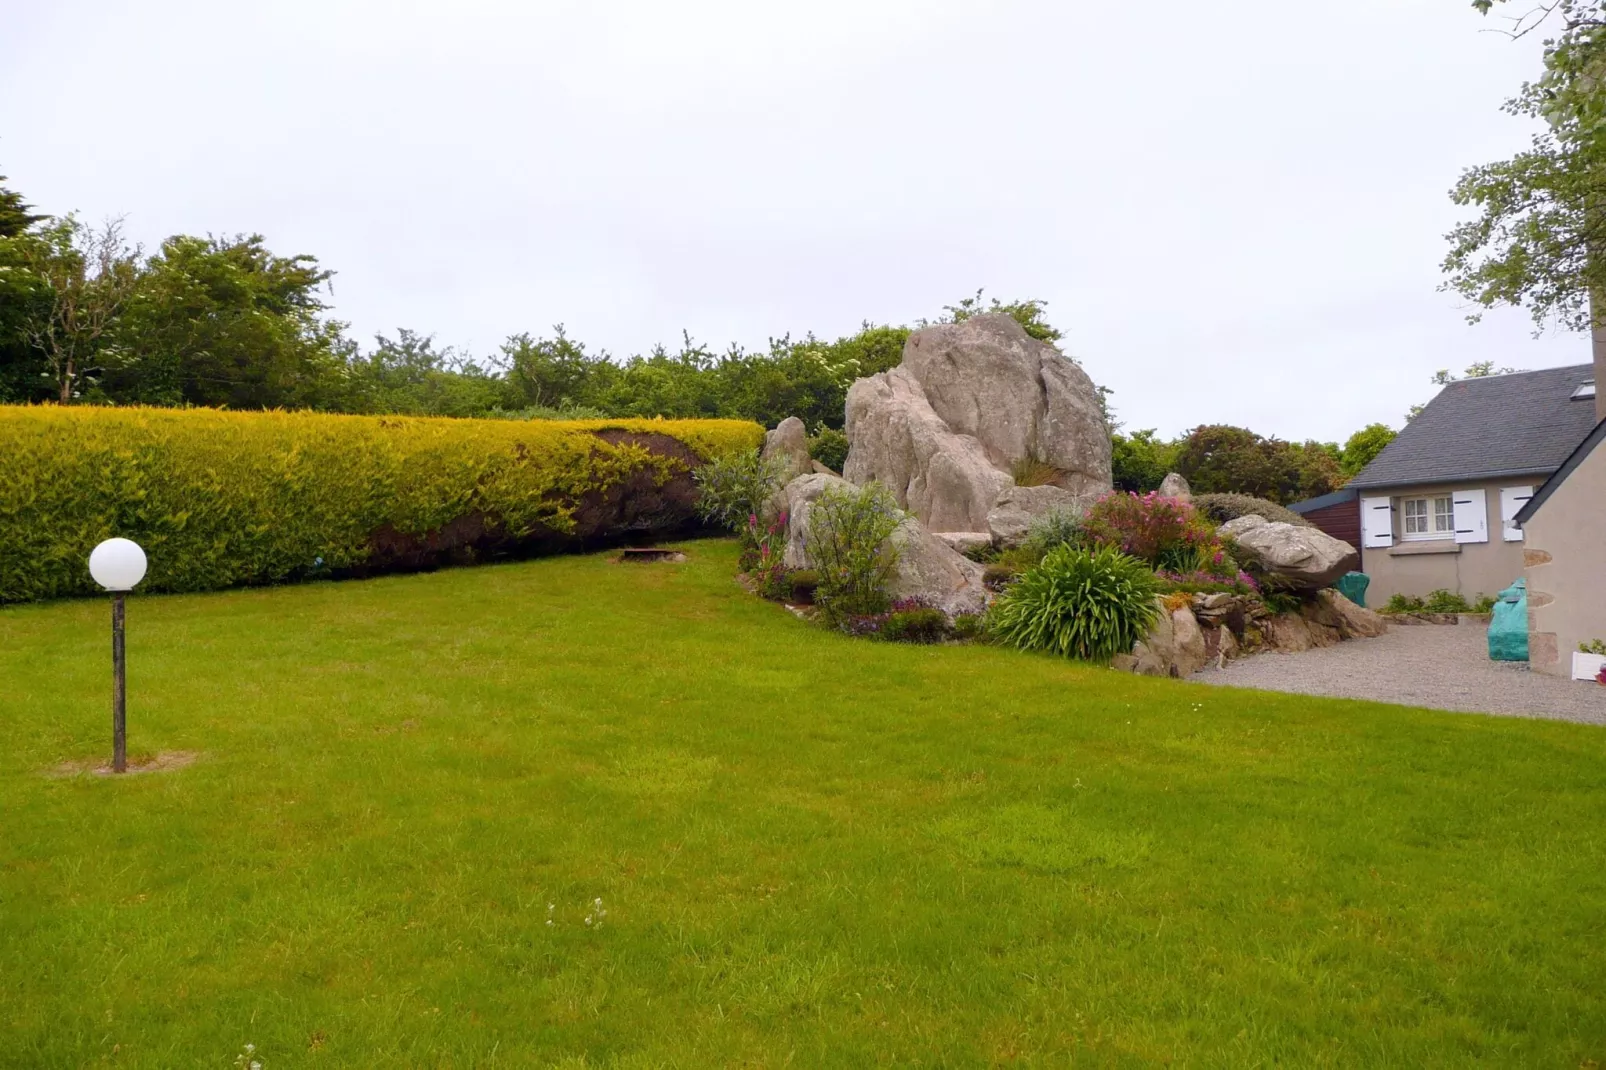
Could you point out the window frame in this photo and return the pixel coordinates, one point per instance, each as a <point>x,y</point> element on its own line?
<point>1431,516</point>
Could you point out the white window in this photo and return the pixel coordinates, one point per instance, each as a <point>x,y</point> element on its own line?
<point>1428,518</point>
<point>1512,499</point>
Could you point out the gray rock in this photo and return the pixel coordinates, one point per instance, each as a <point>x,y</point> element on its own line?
<point>965,541</point>
<point>789,441</point>
<point>1174,486</point>
<point>1011,516</point>
<point>1156,652</point>
<point>1188,643</point>
<point>1298,558</point>
<point>928,568</point>
<point>944,428</point>
<point>1287,632</point>
<point>1352,621</point>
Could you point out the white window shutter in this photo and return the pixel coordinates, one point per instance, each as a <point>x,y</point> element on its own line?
<point>1512,499</point>
<point>1471,516</point>
<point>1377,522</point>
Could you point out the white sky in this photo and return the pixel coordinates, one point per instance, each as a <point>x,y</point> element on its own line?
<point>1236,212</point>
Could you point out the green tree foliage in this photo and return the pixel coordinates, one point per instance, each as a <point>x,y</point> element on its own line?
<point>15,217</point>
<point>409,375</point>
<point>1219,458</point>
<point>1364,445</point>
<point>225,322</point>
<point>1539,230</point>
<point>1141,460</point>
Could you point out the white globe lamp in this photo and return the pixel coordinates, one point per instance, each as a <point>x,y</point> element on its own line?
<point>118,565</point>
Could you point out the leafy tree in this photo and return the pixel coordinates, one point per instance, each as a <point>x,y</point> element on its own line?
<point>225,322</point>
<point>1140,461</point>
<point>1537,238</point>
<point>75,281</point>
<point>14,215</point>
<point>1028,313</point>
<point>1363,446</point>
<point>409,375</point>
<point>1221,459</point>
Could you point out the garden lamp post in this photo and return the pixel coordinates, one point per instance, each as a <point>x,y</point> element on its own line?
<point>117,565</point>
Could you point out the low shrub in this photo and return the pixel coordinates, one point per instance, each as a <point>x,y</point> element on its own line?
<point>919,625</point>
<point>1443,601</point>
<point>830,447</point>
<point>849,540</point>
<point>1402,603</point>
<point>1055,528</point>
<point>766,557</point>
<point>804,581</point>
<point>1280,602</point>
<point>1221,508</point>
<point>999,574</point>
<point>222,499</point>
<point>969,626</point>
<point>735,487</point>
<point>1594,646</point>
<point>1078,603</point>
<point>1484,604</point>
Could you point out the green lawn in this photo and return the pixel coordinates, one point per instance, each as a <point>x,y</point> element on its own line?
<point>811,850</point>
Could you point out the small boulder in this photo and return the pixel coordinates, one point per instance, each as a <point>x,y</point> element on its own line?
<point>1174,486</point>
<point>1286,632</point>
<point>1010,518</point>
<point>1353,621</point>
<point>1299,558</point>
<point>1188,643</point>
<point>789,441</point>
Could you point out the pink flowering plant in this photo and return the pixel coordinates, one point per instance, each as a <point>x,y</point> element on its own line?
<point>1171,536</point>
<point>764,556</point>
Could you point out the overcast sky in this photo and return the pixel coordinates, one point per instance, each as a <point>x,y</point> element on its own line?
<point>1235,212</point>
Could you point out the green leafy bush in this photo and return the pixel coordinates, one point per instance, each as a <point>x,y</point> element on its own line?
<point>830,447</point>
<point>1594,646</point>
<point>222,499</point>
<point>1078,603</point>
<point>1443,601</point>
<point>922,625</point>
<point>1224,507</point>
<point>734,488</point>
<point>969,626</point>
<point>1000,573</point>
<point>1484,604</point>
<point>1055,528</point>
<point>804,581</point>
<point>849,541</point>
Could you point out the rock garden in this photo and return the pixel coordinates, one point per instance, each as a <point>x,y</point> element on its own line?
<point>975,504</point>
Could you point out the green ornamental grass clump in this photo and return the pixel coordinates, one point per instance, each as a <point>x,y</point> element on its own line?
<point>1081,604</point>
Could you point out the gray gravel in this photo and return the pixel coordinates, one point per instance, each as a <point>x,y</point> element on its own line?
<point>1439,666</point>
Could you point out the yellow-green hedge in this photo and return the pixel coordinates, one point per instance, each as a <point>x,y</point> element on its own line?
<point>220,499</point>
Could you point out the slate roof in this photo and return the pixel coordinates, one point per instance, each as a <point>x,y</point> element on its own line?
<point>1337,497</point>
<point>1585,448</point>
<point>1522,424</point>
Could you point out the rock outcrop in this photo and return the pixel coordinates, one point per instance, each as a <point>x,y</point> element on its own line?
<point>790,442</point>
<point>1174,486</point>
<point>1298,558</point>
<point>1011,516</point>
<point>970,401</point>
<point>928,568</point>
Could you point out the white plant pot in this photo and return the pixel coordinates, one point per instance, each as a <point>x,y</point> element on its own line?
<point>1587,666</point>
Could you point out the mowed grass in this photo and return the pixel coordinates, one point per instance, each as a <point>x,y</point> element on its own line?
<point>811,851</point>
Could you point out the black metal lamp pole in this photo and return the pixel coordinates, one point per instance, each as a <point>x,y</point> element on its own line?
<point>119,689</point>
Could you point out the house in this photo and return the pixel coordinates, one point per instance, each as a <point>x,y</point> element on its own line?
<point>1438,506</point>
<point>1564,527</point>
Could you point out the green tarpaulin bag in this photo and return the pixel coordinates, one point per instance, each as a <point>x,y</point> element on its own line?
<point>1508,630</point>
<point>1352,585</point>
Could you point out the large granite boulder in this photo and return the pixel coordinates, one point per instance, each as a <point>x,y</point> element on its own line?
<point>1296,558</point>
<point>928,568</point>
<point>945,428</point>
<point>789,441</point>
<point>1175,646</point>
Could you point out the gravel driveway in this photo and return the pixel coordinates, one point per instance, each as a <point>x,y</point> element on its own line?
<point>1440,666</point>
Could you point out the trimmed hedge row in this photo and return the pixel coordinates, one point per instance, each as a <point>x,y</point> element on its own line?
<point>222,499</point>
